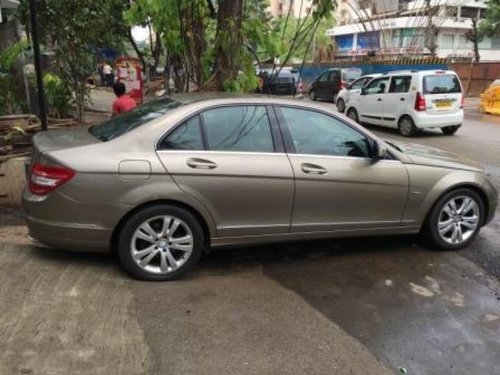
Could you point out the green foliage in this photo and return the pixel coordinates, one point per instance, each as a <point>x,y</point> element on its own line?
<point>73,28</point>
<point>491,25</point>
<point>59,96</point>
<point>9,102</point>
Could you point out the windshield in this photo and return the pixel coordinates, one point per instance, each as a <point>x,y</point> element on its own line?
<point>442,84</point>
<point>352,74</point>
<point>120,125</point>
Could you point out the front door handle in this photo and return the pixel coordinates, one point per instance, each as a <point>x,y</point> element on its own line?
<point>198,163</point>
<point>402,99</point>
<point>379,99</point>
<point>312,169</point>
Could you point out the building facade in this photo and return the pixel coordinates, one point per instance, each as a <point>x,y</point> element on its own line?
<point>297,8</point>
<point>403,28</point>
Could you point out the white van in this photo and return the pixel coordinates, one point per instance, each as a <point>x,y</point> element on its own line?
<point>411,100</point>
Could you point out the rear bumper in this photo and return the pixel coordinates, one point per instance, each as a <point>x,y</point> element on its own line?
<point>423,121</point>
<point>69,236</point>
<point>61,222</point>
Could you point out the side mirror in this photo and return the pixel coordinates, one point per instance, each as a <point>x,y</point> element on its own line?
<point>379,151</point>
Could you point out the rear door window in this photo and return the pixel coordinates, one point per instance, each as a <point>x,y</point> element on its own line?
<point>400,84</point>
<point>238,128</point>
<point>186,136</point>
<point>442,84</point>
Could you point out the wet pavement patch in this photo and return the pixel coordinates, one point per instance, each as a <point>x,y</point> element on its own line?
<point>429,312</point>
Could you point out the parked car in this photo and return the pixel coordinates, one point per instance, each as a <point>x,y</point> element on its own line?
<point>410,101</point>
<point>280,82</point>
<point>329,83</point>
<point>164,183</point>
<point>353,88</point>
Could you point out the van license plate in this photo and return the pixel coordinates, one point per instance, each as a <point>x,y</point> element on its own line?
<point>444,104</point>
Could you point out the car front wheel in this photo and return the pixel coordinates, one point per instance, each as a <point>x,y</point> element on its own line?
<point>455,220</point>
<point>340,105</point>
<point>160,243</point>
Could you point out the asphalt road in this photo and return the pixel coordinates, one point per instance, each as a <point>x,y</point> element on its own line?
<point>359,306</point>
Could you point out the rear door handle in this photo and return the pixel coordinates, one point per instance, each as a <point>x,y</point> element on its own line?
<point>312,169</point>
<point>198,163</point>
<point>402,99</point>
<point>379,99</point>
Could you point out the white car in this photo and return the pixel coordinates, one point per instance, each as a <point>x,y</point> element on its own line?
<point>410,101</point>
<point>353,88</point>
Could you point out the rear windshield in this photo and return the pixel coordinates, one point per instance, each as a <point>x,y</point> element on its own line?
<point>441,84</point>
<point>120,125</point>
<point>352,74</point>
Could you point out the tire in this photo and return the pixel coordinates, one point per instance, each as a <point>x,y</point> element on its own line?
<point>406,127</point>
<point>353,114</point>
<point>161,259</point>
<point>340,105</point>
<point>449,223</point>
<point>312,95</point>
<point>450,130</point>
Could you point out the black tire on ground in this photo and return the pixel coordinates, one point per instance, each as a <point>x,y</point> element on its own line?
<point>340,105</point>
<point>312,95</point>
<point>406,126</point>
<point>136,220</point>
<point>353,114</point>
<point>429,233</point>
<point>450,130</point>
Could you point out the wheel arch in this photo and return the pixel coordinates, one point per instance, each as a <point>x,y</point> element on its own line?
<point>207,231</point>
<point>465,185</point>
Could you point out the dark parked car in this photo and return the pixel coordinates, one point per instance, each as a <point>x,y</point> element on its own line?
<point>283,82</point>
<point>330,82</point>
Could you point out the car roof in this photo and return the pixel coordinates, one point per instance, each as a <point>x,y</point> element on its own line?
<point>420,72</point>
<point>220,98</point>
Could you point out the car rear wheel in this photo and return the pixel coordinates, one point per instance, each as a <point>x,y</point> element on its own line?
<point>450,130</point>
<point>353,114</point>
<point>160,243</point>
<point>312,95</point>
<point>406,127</point>
<point>340,105</point>
<point>455,220</point>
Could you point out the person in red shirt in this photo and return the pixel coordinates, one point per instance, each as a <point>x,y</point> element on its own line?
<point>123,103</point>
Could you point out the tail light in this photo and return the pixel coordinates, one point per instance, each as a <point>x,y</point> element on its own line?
<point>462,102</point>
<point>300,87</point>
<point>420,102</point>
<point>342,84</point>
<point>45,179</point>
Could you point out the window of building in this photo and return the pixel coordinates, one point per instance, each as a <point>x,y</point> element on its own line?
<point>485,43</point>
<point>463,42</point>
<point>447,41</point>
<point>469,12</point>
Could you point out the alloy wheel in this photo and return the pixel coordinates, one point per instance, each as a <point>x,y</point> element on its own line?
<point>162,244</point>
<point>458,220</point>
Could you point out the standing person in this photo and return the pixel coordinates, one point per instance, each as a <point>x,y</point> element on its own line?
<point>123,103</point>
<point>100,69</point>
<point>108,74</point>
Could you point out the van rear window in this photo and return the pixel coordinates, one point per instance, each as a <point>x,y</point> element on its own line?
<point>352,74</point>
<point>442,84</point>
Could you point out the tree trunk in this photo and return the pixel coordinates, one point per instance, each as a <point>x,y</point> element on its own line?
<point>137,50</point>
<point>228,42</point>
<point>80,101</point>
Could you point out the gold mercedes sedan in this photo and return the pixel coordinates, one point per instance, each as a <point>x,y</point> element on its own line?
<point>164,183</point>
